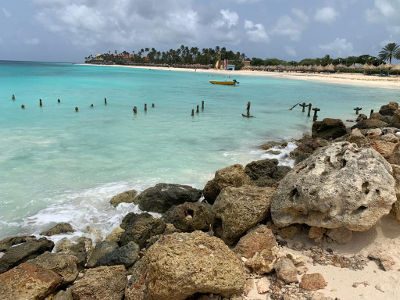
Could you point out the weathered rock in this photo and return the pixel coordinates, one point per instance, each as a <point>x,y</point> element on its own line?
<point>328,129</point>
<point>306,146</point>
<point>384,148</point>
<point>312,282</point>
<point>266,172</point>
<point>115,235</point>
<point>378,116</point>
<point>384,261</point>
<point>396,205</point>
<point>286,270</point>
<point>263,262</point>
<point>163,196</point>
<point>184,264</point>
<point>139,228</point>
<point>389,109</point>
<point>125,197</point>
<point>102,283</point>
<point>316,233</point>
<point>190,217</point>
<point>233,176</point>
<point>373,133</point>
<point>390,137</point>
<point>254,241</point>
<point>361,117</point>
<point>125,255</point>
<point>60,228</point>
<point>62,264</point>
<point>272,144</point>
<point>28,281</point>
<point>370,123</point>
<point>394,158</point>
<point>23,252</point>
<point>61,295</point>
<point>80,249</point>
<point>339,186</point>
<point>7,243</point>
<point>340,235</point>
<point>263,285</point>
<point>240,209</point>
<point>101,250</point>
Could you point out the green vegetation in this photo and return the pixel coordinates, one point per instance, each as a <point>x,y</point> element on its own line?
<point>193,57</point>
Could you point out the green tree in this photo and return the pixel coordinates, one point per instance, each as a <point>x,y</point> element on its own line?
<point>390,51</point>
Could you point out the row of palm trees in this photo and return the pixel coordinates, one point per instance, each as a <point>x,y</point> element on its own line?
<point>389,52</point>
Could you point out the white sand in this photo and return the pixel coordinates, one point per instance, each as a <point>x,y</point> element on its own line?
<point>392,82</point>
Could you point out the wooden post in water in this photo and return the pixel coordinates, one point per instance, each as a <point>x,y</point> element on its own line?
<point>23,106</point>
<point>309,110</point>
<point>248,109</point>
<point>370,114</point>
<point>135,110</point>
<point>193,112</point>
<point>145,107</point>
<point>58,101</point>
<point>91,106</point>
<point>197,109</point>
<point>357,109</point>
<point>13,97</point>
<point>105,101</point>
<point>303,107</point>
<point>40,103</point>
<point>76,109</point>
<point>202,105</point>
<point>315,117</point>
<point>153,105</point>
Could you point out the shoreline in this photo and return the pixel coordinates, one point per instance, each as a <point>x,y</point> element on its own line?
<point>361,80</point>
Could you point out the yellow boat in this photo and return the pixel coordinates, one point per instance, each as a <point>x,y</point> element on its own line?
<point>234,82</point>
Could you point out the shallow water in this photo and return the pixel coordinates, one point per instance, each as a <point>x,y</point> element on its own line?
<point>58,165</point>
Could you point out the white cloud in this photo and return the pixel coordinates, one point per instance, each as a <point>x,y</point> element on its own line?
<point>227,19</point>
<point>32,41</point>
<point>326,15</point>
<point>339,46</point>
<point>291,26</point>
<point>386,12</point>
<point>290,51</point>
<point>255,32</point>
<point>6,13</point>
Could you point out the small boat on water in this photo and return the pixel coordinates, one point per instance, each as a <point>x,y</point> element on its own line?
<point>232,83</point>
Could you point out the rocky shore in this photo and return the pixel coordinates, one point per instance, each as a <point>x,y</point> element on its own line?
<point>325,229</point>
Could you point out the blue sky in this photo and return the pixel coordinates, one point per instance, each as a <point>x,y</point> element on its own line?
<point>69,30</point>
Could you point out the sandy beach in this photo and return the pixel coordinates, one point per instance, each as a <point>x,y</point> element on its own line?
<point>392,82</point>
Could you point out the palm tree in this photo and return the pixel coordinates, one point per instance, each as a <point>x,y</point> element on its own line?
<point>390,51</point>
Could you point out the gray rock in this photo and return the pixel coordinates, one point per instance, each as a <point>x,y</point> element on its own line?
<point>79,249</point>
<point>60,228</point>
<point>286,270</point>
<point>125,255</point>
<point>189,217</point>
<point>340,185</point>
<point>23,252</point>
<point>370,123</point>
<point>163,196</point>
<point>139,228</point>
<point>14,240</point>
<point>389,109</point>
<point>240,209</point>
<point>101,250</point>
<point>266,172</point>
<point>125,197</point>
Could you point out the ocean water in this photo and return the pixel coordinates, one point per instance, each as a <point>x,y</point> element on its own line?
<point>57,165</point>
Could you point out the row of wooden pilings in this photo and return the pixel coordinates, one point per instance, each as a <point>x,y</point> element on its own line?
<point>310,108</point>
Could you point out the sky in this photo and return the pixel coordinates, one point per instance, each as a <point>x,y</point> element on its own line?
<point>69,30</point>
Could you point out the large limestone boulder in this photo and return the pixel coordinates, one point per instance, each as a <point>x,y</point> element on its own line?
<point>370,123</point>
<point>266,172</point>
<point>125,197</point>
<point>328,129</point>
<point>79,248</point>
<point>23,252</point>
<point>29,282</point>
<point>163,196</point>
<point>256,240</point>
<point>63,264</point>
<point>139,228</point>
<point>240,209</point>
<point>102,283</point>
<point>190,217</point>
<point>234,176</point>
<point>9,242</point>
<point>340,185</point>
<point>184,264</point>
<point>389,109</point>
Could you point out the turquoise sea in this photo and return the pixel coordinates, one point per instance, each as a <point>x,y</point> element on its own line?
<point>57,165</point>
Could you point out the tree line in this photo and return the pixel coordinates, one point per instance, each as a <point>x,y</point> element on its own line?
<point>208,57</point>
